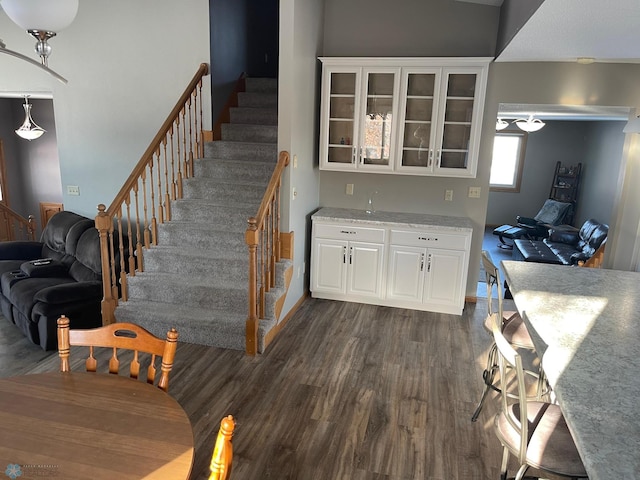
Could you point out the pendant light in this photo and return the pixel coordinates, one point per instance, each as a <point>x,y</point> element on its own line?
<point>501,124</point>
<point>529,124</point>
<point>29,130</point>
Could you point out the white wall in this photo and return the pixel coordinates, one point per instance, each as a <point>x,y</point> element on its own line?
<point>127,63</point>
<point>300,43</point>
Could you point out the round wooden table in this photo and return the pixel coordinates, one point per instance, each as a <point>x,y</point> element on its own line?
<point>91,426</point>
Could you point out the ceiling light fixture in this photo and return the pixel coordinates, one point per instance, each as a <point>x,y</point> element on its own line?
<point>29,130</point>
<point>529,124</point>
<point>42,19</point>
<point>501,124</point>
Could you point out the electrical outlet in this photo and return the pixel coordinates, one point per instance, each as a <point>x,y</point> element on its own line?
<point>73,190</point>
<point>349,189</point>
<point>474,192</point>
<point>448,195</point>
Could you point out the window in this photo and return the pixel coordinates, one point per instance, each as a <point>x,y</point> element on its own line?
<point>508,161</point>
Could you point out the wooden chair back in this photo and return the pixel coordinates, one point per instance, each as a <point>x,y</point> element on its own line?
<point>116,336</point>
<point>222,457</point>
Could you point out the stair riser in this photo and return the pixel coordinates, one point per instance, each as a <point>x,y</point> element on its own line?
<point>265,85</point>
<point>199,296</point>
<point>250,133</point>
<point>224,193</point>
<point>160,260</point>
<point>177,235</point>
<point>222,218</point>
<point>259,152</point>
<point>253,116</point>
<point>235,171</point>
<point>258,99</point>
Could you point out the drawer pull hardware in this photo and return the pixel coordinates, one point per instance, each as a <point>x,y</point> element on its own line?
<point>348,232</point>
<point>430,239</point>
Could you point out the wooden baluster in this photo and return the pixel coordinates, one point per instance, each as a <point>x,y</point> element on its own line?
<point>179,157</point>
<point>267,250</point>
<point>187,168</point>
<point>31,230</point>
<point>158,171</point>
<point>123,272</point>
<point>167,196</point>
<point>262,290</point>
<point>173,166</point>
<point>190,138</point>
<point>147,241</point>
<point>103,225</point>
<point>278,242</point>
<point>201,129</point>
<point>154,222</point>
<point>131,258</point>
<point>273,243</point>
<point>138,234</point>
<point>251,326</point>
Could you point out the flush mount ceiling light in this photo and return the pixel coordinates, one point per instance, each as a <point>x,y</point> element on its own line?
<point>501,124</point>
<point>42,19</point>
<point>29,130</point>
<point>529,124</point>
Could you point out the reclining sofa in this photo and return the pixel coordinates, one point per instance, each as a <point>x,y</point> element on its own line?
<point>60,274</point>
<point>564,247</point>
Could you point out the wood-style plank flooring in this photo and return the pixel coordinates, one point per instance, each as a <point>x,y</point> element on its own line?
<point>346,392</point>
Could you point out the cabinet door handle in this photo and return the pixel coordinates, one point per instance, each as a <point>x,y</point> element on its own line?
<point>429,263</point>
<point>350,254</point>
<point>344,254</point>
<point>430,157</point>
<point>422,262</point>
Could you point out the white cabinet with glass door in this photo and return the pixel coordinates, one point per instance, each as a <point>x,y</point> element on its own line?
<point>411,116</point>
<point>358,118</point>
<point>441,110</point>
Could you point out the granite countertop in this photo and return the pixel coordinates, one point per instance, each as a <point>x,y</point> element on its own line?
<point>585,322</point>
<point>417,220</point>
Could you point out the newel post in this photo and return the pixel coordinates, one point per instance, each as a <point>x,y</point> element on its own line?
<point>31,228</point>
<point>251,238</point>
<point>104,225</point>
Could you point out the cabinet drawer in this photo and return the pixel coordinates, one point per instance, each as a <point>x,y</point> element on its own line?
<point>429,239</point>
<point>344,232</point>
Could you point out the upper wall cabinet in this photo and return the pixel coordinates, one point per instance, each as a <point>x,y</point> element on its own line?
<point>410,116</point>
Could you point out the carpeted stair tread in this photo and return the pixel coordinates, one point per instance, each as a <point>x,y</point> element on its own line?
<point>254,116</point>
<point>202,236</point>
<point>260,84</point>
<point>241,150</point>
<point>239,132</point>
<point>257,99</point>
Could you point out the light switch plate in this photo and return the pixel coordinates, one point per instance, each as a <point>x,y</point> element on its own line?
<point>474,192</point>
<point>448,195</point>
<point>73,190</point>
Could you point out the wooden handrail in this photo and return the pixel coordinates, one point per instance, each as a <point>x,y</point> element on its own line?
<point>202,71</point>
<point>263,240</point>
<point>130,223</point>
<point>15,226</point>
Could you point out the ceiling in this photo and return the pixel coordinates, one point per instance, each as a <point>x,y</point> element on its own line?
<point>565,30</point>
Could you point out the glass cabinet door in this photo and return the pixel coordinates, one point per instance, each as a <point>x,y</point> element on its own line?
<point>342,104</point>
<point>417,150</point>
<point>458,115</point>
<point>377,121</point>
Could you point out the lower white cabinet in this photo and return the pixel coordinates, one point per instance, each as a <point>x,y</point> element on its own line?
<point>392,264</point>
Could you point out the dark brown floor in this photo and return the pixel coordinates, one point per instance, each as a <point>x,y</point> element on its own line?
<point>347,391</point>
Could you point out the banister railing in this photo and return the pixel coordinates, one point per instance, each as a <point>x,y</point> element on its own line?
<point>14,226</point>
<point>130,223</point>
<point>263,240</point>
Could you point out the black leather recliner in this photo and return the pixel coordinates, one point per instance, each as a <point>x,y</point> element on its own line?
<point>551,213</point>
<point>563,247</point>
<point>61,274</point>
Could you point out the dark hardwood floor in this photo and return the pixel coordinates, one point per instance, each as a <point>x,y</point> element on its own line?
<point>346,392</point>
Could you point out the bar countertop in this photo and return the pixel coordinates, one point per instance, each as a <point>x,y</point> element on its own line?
<point>585,323</point>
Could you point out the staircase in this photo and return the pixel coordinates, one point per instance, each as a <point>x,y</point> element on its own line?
<point>196,278</point>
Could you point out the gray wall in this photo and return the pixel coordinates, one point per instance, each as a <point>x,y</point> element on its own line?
<point>298,105</point>
<point>120,88</point>
<point>603,167</point>
<point>33,168</point>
